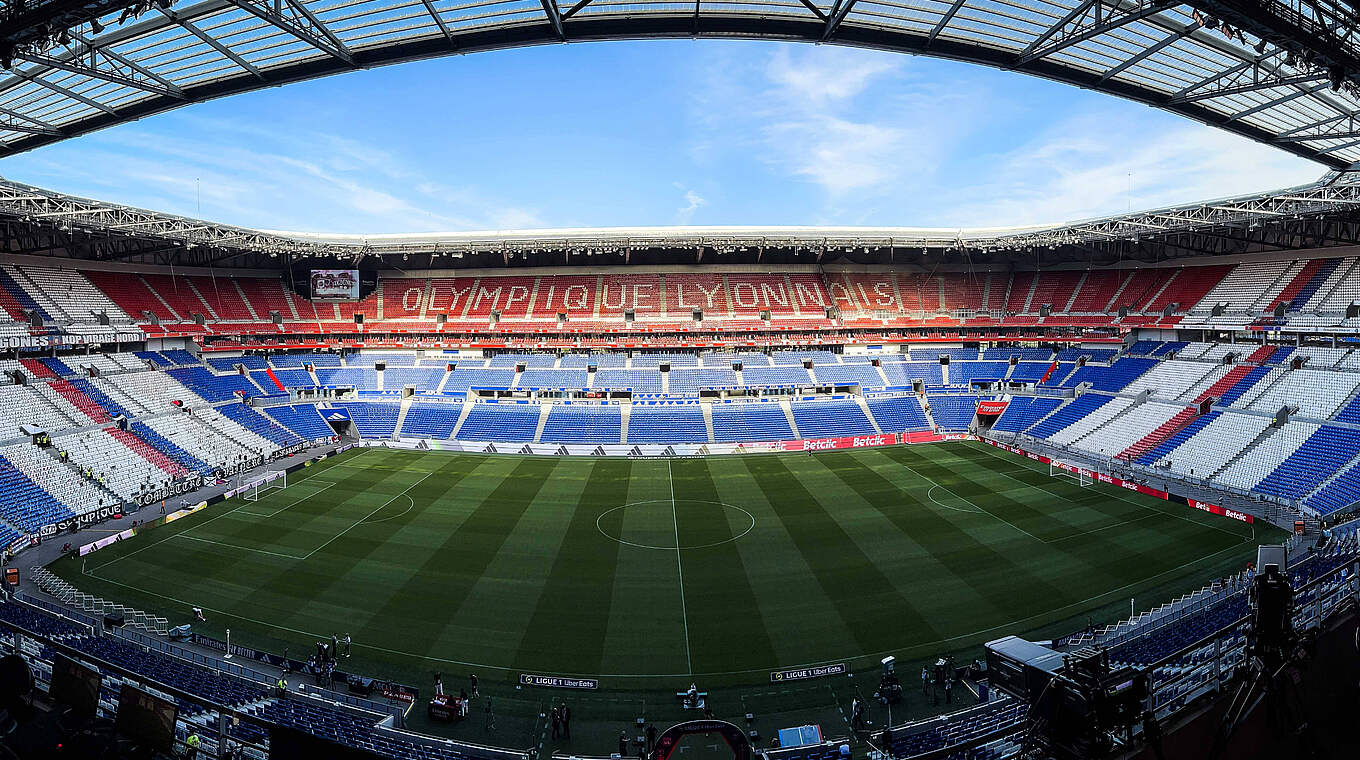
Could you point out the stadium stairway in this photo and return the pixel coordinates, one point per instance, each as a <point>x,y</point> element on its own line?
<point>405,406</point>
<point>788,413</point>
<point>269,372</point>
<point>881,375</point>
<point>1306,271</point>
<point>925,409</point>
<point>864,407</point>
<point>708,420</point>
<point>1173,441</point>
<point>1225,383</point>
<point>462,415</point>
<point>73,473</point>
<point>626,411</point>
<point>1260,354</point>
<point>542,422</point>
<point>1263,436</point>
<point>88,406</point>
<point>1164,431</point>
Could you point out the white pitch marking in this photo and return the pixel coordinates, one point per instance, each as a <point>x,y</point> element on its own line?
<point>679,566</point>
<point>236,546</point>
<point>365,517</point>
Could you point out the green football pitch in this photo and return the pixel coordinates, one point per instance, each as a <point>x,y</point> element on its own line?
<point>647,571</point>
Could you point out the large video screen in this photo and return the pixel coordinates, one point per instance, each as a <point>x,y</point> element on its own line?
<point>335,284</point>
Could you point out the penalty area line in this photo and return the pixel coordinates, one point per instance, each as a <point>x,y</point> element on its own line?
<point>237,546</point>
<point>364,519</point>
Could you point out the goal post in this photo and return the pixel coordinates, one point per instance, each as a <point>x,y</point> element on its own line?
<point>260,487</point>
<point>1058,469</point>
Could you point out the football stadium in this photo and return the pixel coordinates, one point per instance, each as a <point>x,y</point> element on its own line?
<point>1078,490</point>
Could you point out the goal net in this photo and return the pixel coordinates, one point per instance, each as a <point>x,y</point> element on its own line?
<point>1070,471</point>
<point>261,486</point>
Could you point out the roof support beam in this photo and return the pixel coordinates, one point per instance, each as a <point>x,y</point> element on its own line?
<point>1216,77</point>
<point>1072,15</point>
<point>35,79</point>
<point>212,42</point>
<point>1278,101</point>
<point>838,13</point>
<point>809,5</point>
<point>1081,34</point>
<point>95,72</point>
<point>944,21</point>
<point>1261,84</point>
<point>554,18</point>
<point>28,129</point>
<point>322,39</point>
<point>119,58</point>
<point>47,129</point>
<point>1148,52</point>
<point>439,21</point>
<point>1310,136</point>
<point>572,11</point>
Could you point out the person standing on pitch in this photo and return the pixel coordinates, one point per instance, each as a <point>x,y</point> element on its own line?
<point>472,681</point>
<point>566,721</point>
<point>623,744</point>
<point>556,721</point>
<point>925,680</point>
<point>490,716</point>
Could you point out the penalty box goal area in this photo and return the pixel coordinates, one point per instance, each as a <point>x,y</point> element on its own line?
<point>259,486</point>
<point>1057,469</point>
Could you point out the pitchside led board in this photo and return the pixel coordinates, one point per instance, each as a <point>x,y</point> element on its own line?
<point>335,284</point>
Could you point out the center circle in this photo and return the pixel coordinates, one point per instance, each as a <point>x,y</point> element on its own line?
<point>654,524</point>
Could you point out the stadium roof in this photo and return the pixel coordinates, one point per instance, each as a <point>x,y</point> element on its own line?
<point>1276,73</point>
<point>1321,214</point>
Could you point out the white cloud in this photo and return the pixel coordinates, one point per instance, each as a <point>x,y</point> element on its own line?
<point>828,74</point>
<point>283,180</point>
<point>852,123</point>
<point>889,139</point>
<point>693,201</point>
<point>1094,165</point>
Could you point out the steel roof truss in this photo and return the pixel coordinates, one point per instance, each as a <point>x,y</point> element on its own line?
<point>294,18</point>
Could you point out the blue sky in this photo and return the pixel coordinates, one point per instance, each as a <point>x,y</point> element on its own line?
<point>657,133</point>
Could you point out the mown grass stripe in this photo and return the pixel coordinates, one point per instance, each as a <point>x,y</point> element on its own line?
<point>435,589</point>
<point>948,536</point>
<point>722,606</point>
<point>369,558</point>
<point>585,564</point>
<point>874,611</point>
